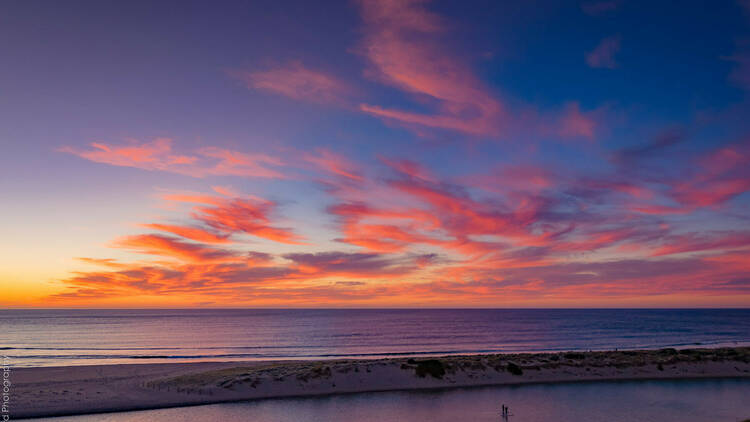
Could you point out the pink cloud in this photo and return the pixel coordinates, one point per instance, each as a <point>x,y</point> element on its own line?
<point>517,177</point>
<point>659,209</point>
<point>234,163</point>
<point>401,43</point>
<point>695,242</point>
<point>383,230</point>
<point>603,55</point>
<point>724,174</point>
<point>410,168</point>
<point>296,81</point>
<point>710,192</point>
<point>333,163</point>
<point>711,181</point>
<point>158,155</point>
<point>154,155</point>
<point>407,47</point>
<point>575,124</point>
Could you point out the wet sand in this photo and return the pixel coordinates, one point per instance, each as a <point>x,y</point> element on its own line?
<point>55,391</point>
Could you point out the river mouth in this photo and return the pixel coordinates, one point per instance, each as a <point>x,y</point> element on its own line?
<point>673,400</point>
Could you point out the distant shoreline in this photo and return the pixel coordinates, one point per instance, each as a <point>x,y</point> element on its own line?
<point>72,390</point>
<point>167,359</point>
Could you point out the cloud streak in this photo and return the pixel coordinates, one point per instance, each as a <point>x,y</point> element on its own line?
<point>157,155</point>
<point>296,81</point>
<point>402,45</point>
<point>229,216</point>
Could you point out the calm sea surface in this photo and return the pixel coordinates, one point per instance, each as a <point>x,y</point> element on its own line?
<point>663,401</point>
<point>82,337</point>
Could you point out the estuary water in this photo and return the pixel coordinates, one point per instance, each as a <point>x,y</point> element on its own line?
<point>663,401</point>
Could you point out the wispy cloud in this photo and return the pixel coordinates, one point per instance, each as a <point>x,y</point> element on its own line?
<point>402,44</point>
<point>576,124</point>
<point>333,163</point>
<point>407,47</point>
<point>603,55</point>
<point>154,155</point>
<point>193,233</point>
<point>237,216</point>
<point>158,155</point>
<point>352,264</point>
<point>723,174</point>
<point>171,247</point>
<point>701,242</point>
<point>296,81</point>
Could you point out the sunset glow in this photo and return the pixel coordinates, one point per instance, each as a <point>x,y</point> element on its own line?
<point>401,153</point>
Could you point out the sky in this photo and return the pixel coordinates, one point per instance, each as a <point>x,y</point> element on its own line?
<point>391,153</point>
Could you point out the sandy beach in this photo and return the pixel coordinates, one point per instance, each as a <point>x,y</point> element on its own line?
<point>55,391</point>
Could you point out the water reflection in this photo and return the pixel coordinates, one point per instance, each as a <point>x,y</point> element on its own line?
<point>666,401</point>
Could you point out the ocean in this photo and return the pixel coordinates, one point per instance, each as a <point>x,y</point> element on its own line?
<point>95,336</point>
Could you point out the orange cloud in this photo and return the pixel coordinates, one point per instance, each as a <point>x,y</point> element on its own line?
<point>383,230</point>
<point>249,215</point>
<point>154,244</point>
<point>245,216</point>
<point>192,233</point>
<point>299,284</point>
<point>520,234</point>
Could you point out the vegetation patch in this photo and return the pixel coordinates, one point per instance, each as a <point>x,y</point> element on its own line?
<point>514,369</point>
<point>576,356</point>
<point>432,367</point>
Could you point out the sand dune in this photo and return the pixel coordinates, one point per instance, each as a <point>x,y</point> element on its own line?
<point>51,391</point>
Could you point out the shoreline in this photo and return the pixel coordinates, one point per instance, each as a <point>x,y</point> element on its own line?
<point>168,360</point>
<point>73,390</point>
